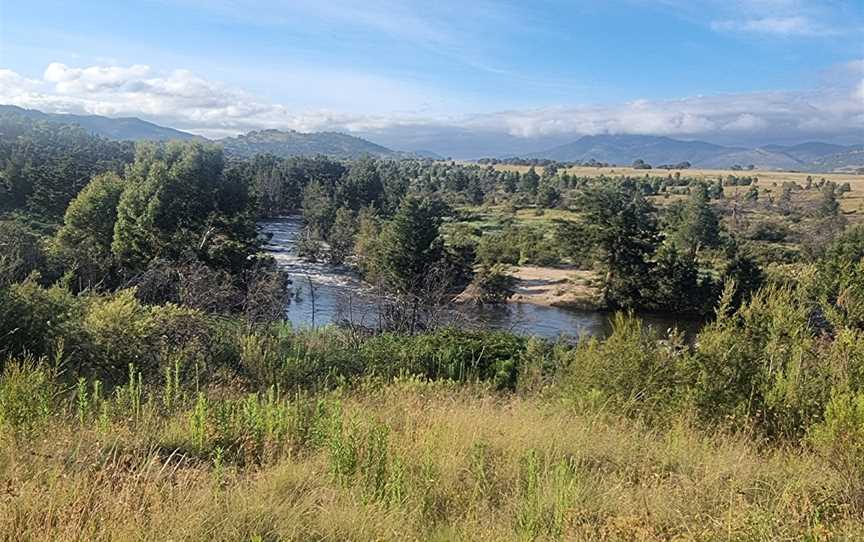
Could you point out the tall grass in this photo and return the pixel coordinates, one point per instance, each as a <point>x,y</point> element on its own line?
<point>201,429</point>
<point>405,460</point>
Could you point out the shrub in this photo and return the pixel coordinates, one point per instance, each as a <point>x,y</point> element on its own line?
<point>121,331</point>
<point>21,252</point>
<point>34,320</point>
<point>493,285</point>
<point>758,365</point>
<point>840,438</point>
<point>629,369</point>
<point>28,390</point>
<point>768,230</point>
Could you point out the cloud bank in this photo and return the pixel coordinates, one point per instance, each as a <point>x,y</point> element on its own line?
<point>187,101</point>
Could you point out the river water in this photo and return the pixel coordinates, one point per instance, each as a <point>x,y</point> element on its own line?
<point>323,294</point>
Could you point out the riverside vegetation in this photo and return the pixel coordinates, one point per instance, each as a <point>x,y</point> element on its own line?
<point>150,390</point>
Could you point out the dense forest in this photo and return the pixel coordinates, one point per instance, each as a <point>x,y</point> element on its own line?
<point>149,382</point>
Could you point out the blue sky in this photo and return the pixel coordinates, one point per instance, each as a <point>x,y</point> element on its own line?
<point>514,74</point>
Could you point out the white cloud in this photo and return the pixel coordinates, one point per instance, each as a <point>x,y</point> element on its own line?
<point>778,26</point>
<point>187,101</point>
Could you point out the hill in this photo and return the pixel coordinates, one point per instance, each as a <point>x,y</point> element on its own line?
<point>624,149</point>
<point>121,129</point>
<point>290,143</point>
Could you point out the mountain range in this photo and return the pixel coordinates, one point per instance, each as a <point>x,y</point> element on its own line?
<point>625,149</point>
<point>612,149</point>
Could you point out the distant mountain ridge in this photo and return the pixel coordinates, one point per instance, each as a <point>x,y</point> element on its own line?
<point>125,128</point>
<point>657,150</point>
<point>282,143</point>
<point>613,149</point>
<point>290,143</point>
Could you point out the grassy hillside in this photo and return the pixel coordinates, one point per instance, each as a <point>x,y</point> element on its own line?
<point>408,460</point>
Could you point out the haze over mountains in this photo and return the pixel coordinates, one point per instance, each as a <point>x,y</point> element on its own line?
<point>612,149</point>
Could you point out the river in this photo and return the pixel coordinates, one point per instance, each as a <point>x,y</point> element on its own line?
<point>323,294</point>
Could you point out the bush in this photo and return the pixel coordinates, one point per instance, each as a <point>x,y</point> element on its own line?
<point>629,370</point>
<point>21,252</point>
<point>493,285</point>
<point>28,391</point>
<point>840,438</point>
<point>758,366</point>
<point>35,320</point>
<point>498,248</point>
<point>770,231</point>
<point>122,333</point>
<point>447,354</point>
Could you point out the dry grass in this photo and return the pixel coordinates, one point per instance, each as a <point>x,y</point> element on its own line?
<point>430,462</point>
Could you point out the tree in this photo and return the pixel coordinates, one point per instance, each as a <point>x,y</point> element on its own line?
<point>742,270</point>
<point>88,228</point>
<point>411,245</point>
<point>529,181</point>
<point>493,285</point>
<point>367,242</point>
<point>21,252</point>
<point>828,206</point>
<point>548,195</point>
<point>178,203</point>
<point>619,222</point>
<point>342,236</point>
<point>677,286</point>
<point>318,209</point>
<point>362,186</point>
<point>698,226</point>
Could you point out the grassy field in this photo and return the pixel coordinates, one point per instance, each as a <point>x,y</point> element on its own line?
<point>771,181</point>
<point>407,460</point>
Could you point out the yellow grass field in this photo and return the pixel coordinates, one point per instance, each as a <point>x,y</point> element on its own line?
<point>771,181</point>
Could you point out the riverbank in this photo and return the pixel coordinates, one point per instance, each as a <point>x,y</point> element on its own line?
<point>556,287</point>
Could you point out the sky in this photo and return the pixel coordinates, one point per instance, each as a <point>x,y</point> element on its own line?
<point>461,78</point>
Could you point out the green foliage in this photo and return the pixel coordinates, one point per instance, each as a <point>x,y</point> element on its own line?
<point>698,226</point>
<point>758,365</point>
<point>621,224</point>
<point>28,394</point>
<point>493,285</point>
<point>88,228</point>
<point>362,186</point>
<point>21,252</point>
<point>342,236</point>
<point>35,320</point>
<point>630,370</point>
<point>43,166</point>
<point>411,246</point>
<point>179,202</point>
<point>840,438</point>
<point>677,286</point>
<point>318,209</point>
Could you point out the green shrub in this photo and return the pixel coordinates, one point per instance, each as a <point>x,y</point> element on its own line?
<point>630,369</point>
<point>34,320</point>
<point>122,332</point>
<point>759,366</point>
<point>447,354</point>
<point>840,438</point>
<point>28,392</point>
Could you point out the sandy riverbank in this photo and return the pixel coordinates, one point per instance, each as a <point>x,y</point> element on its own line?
<point>555,287</point>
